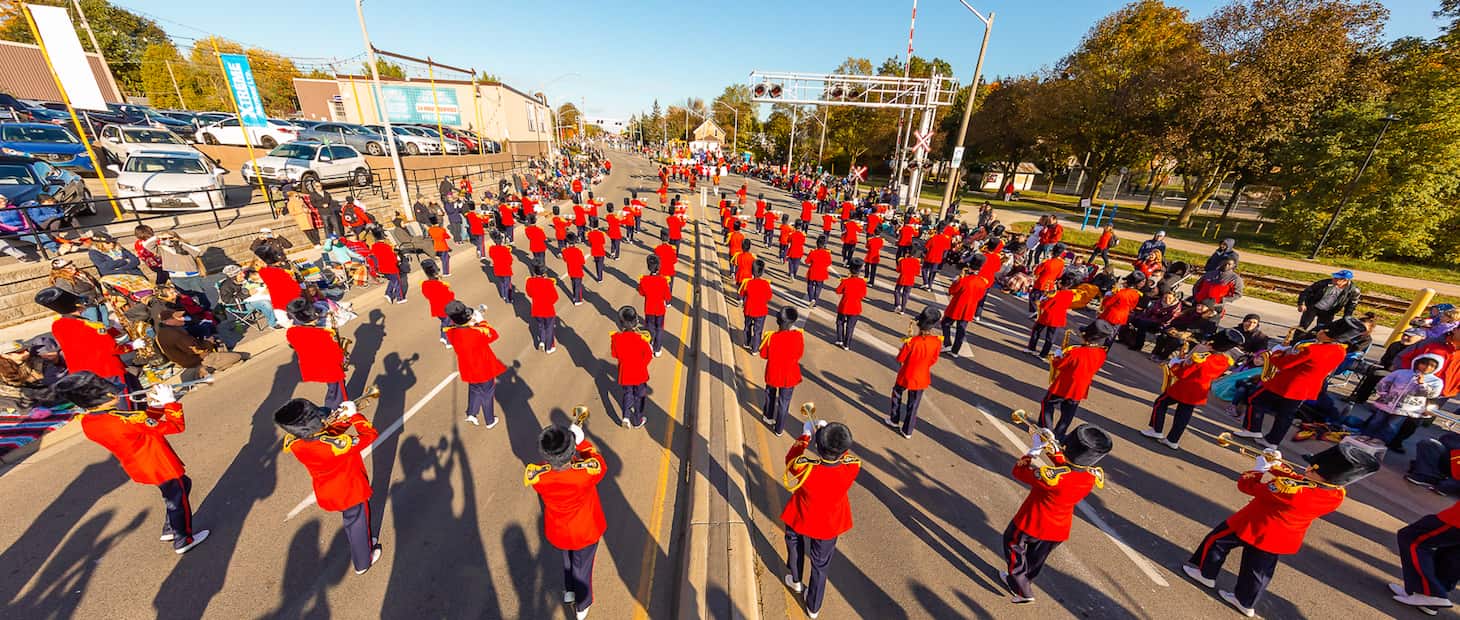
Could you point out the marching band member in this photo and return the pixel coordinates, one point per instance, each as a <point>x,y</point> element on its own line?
<point>908,267</point>
<point>476,226</point>
<point>1071,372</point>
<point>993,262</point>
<point>139,441</point>
<point>1115,309</point>
<point>542,290</point>
<point>1046,276</point>
<point>86,345</point>
<point>1049,324</point>
<point>574,260</point>
<point>782,351</point>
<point>933,253</point>
<point>818,270</point>
<point>321,356</point>
<point>914,373</point>
<point>387,264</point>
<point>668,259</point>
<point>964,296</point>
<point>572,517</point>
<point>505,221</point>
<point>795,250</point>
<point>1301,370</point>
<point>676,223</point>
<point>440,244</point>
<point>1284,504</point>
<point>743,261</point>
<point>755,296</point>
<point>615,232</point>
<point>767,219</point>
<point>807,209</point>
<point>471,338</point>
<point>784,236</point>
<point>853,289</point>
<point>560,228</point>
<point>1191,380</point>
<point>597,247</point>
<point>906,235</point>
<point>654,288</point>
<point>437,293</point>
<point>630,346</point>
<point>501,256</point>
<point>332,457</point>
<point>819,472</point>
<point>735,241</point>
<point>536,241</point>
<point>1043,520</point>
<point>1429,554</point>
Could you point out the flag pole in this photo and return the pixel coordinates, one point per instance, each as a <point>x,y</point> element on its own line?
<point>237,113</point>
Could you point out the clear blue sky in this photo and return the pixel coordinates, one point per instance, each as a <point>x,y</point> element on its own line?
<point>626,54</point>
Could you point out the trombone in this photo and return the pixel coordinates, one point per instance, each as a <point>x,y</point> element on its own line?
<point>1051,444</point>
<point>177,390</point>
<point>1226,440</point>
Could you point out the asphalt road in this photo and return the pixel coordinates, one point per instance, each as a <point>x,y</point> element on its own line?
<point>462,535</point>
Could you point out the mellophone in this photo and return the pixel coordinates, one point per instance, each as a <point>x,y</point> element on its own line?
<point>1051,450</point>
<point>1051,445</point>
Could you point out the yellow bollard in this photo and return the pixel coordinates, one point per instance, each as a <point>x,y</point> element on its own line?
<point>1415,308</point>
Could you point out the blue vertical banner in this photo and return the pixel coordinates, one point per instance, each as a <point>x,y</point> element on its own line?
<point>245,91</point>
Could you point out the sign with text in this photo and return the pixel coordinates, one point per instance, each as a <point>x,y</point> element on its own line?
<point>415,104</point>
<point>245,91</point>
<point>63,49</point>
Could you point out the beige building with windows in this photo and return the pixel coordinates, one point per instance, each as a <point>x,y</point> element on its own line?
<point>522,123</point>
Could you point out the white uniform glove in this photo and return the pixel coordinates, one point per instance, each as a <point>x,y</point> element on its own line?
<point>577,433</point>
<point>139,343</point>
<point>476,316</point>
<point>1267,460</point>
<point>161,395</point>
<point>347,409</point>
<point>1036,446</point>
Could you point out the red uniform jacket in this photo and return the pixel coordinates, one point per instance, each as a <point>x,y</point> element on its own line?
<point>828,221</point>
<point>320,357</point>
<point>818,506</point>
<point>543,291</point>
<point>736,242</point>
<point>768,220</point>
<point>596,242</point>
<point>572,517</point>
<point>139,441</point>
<point>476,224</point>
<point>847,207</point>
<point>915,361</point>
<point>797,248</point>
<point>501,257</point>
<point>1047,512</point>
<point>560,227</point>
<point>1275,521</point>
<point>743,262</point>
<point>1075,370</point>
<point>475,361</point>
<point>937,246</point>
<point>437,294</point>
<point>906,234</point>
<point>574,259</point>
<point>818,265</point>
<point>874,249</point>
<point>668,258</point>
<point>1206,289</point>
<point>782,350</point>
<point>1116,307</point>
<point>1054,310</point>
<point>1047,273</point>
<point>283,288</point>
<point>1104,242</point>
<point>992,262</point>
<point>504,213</point>
<point>383,254</point>
<point>850,230</point>
<point>580,216</point>
<point>615,227</point>
<point>655,290</point>
<point>873,221</point>
<point>90,346</point>
<point>807,207</point>
<point>852,289</point>
<point>632,351</point>
<point>908,269</point>
<point>334,464</point>
<point>1301,373</point>
<point>964,296</point>
<point>1194,377</point>
<point>757,294</point>
<point>536,239</point>
<point>676,228</point>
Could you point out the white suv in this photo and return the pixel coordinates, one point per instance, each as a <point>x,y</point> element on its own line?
<point>308,162</point>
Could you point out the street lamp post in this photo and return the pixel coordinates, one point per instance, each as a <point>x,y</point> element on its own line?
<point>955,173</point>
<point>735,141</point>
<point>1349,192</point>
<point>400,175</point>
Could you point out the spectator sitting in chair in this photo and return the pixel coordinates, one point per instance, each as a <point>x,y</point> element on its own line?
<point>23,381</point>
<point>1404,394</point>
<point>197,357</point>
<point>200,322</point>
<point>237,289</point>
<point>1152,320</point>
<point>1436,464</point>
<point>1196,324</point>
<point>110,258</point>
<point>1377,372</point>
<point>267,237</point>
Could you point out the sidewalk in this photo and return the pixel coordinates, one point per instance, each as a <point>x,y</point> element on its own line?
<point>1009,216</point>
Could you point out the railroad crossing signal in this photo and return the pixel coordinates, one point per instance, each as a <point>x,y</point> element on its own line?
<point>860,172</point>
<point>922,142</point>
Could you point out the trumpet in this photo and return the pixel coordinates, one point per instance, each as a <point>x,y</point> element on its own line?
<point>1051,444</point>
<point>338,421</point>
<point>177,390</point>
<point>344,343</point>
<point>1226,440</point>
<point>808,411</point>
<point>580,415</point>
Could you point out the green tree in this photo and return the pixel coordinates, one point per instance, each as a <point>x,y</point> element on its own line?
<point>273,75</point>
<point>1008,123</point>
<point>124,37</point>
<point>386,68</point>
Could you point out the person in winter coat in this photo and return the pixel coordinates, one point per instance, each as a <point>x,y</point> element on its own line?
<point>1405,393</point>
<point>1327,299</point>
<point>1220,286</point>
<point>1222,254</point>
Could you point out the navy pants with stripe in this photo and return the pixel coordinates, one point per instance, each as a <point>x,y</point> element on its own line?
<point>906,417</point>
<point>1178,423</point>
<point>845,325</point>
<point>1026,555</point>
<point>655,324</point>
<point>1283,411</point>
<point>777,406</point>
<point>479,400</point>
<point>359,534</point>
<point>1255,572</point>
<point>334,394</point>
<point>1429,556</point>
<point>631,405</point>
<point>1067,408</point>
<point>821,551</point>
<point>578,574</point>
<point>179,510</point>
<point>754,327</point>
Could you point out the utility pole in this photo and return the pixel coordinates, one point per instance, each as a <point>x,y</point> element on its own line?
<point>957,162</point>
<point>400,175</point>
<point>1349,192</point>
<point>175,89</point>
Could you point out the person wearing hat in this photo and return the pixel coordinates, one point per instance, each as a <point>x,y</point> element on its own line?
<point>537,241</point>
<point>1328,298</point>
<point>505,221</point>
<point>795,251</point>
<point>574,262</point>
<point>915,362</point>
<point>87,345</point>
<point>24,383</point>
<point>67,277</point>
<point>632,215</point>
<point>782,351</point>
<point>654,288</point>
<point>267,236</point>
<point>783,236</point>
<point>1301,371</point>
<point>933,253</point>
<point>387,263</point>
<point>755,297</point>
<point>597,247</point>
<point>1046,277</point>
<point>1071,372</point>
<point>199,357</point>
<point>1157,243</point>
<point>853,289</point>
<point>768,219</point>
<point>1376,372</point>
<point>743,261</point>
<point>1254,340</point>
<point>964,297</point>
<point>668,258</point>
<point>820,470</point>
<point>542,291</point>
<point>500,255</point>
<point>818,270</point>
<point>1284,504</point>
<point>279,280</point>
<point>321,358</point>
<point>1116,307</point>
<point>1429,552</point>
<point>476,226</point>
<point>675,224</point>
<point>808,209</point>
<point>1221,285</point>
<point>440,243</point>
<point>735,240</point>
<point>110,258</point>
<point>319,437</point>
<point>1043,520</point>
<point>572,517</point>
<point>357,220</point>
<point>139,441</point>
<point>437,293</point>
<point>471,338</point>
<point>1188,381</point>
<point>630,346</point>
<point>560,228</point>
<point>614,224</point>
<point>873,256</point>
<point>909,266</point>
<point>1447,346</point>
<point>1050,321</point>
<point>851,236</point>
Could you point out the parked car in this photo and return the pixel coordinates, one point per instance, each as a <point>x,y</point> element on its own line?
<point>410,143</point>
<point>308,162</point>
<point>452,146</point>
<point>143,115</point>
<point>169,180</point>
<point>365,140</point>
<point>213,117</point>
<point>23,179</point>
<point>39,113</point>
<point>228,131</point>
<point>54,145</point>
<point>119,141</point>
<point>14,110</point>
<point>190,118</point>
<point>302,123</point>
